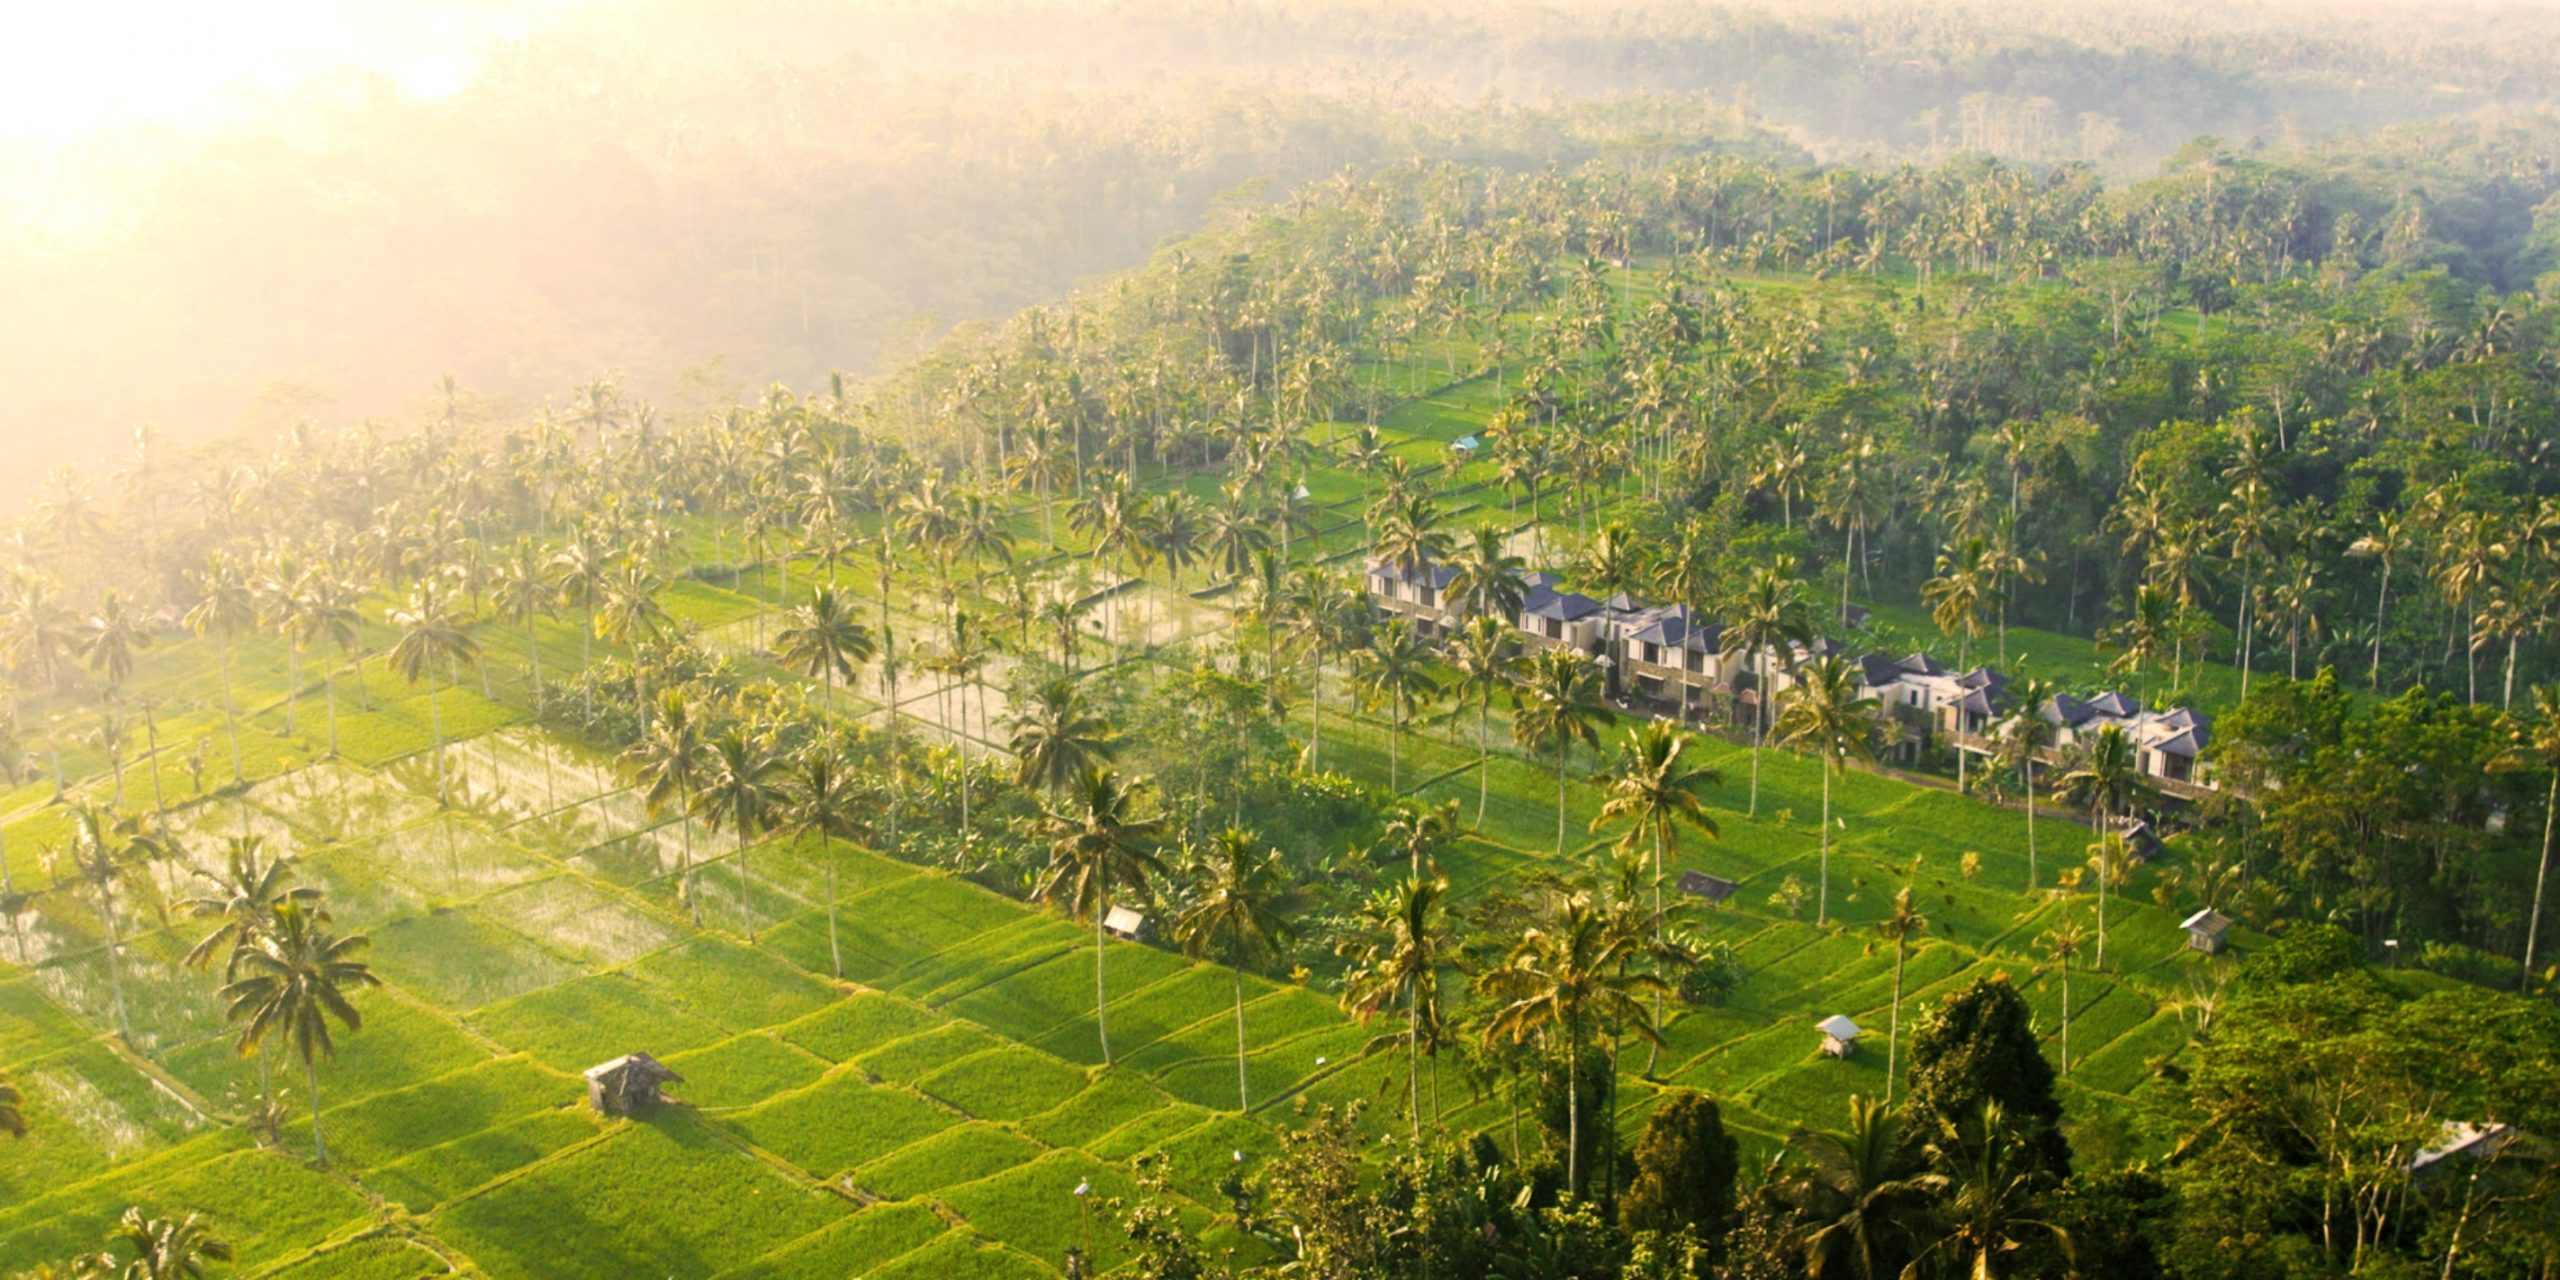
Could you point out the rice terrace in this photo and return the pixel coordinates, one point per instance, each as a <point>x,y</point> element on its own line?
<point>1623,687</point>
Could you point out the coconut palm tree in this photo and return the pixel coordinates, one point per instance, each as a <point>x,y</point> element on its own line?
<point>1766,618</point>
<point>1655,793</point>
<point>631,616</point>
<point>2387,543</point>
<point>431,641</point>
<point>144,1248</point>
<point>2062,943</point>
<point>672,759</point>
<point>740,791</point>
<point>1396,957</point>
<point>524,592</point>
<point>1989,1189</point>
<point>1569,972</point>
<point>825,640</point>
<point>106,851</point>
<point>2024,735</point>
<point>1395,671</point>
<point>223,609</point>
<point>1957,595</point>
<point>579,571</point>
<point>1099,846</point>
<point>2537,747</point>
<point>1484,652</point>
<point>1234,915</point>
<point>242,900</point>
<point>1903,924</point>
<point>824,801</point>
<point>1555,704</point>
<point>292,982</point>
<point>2108,781</point>
<point>1862,1194</point>
<point>1826,714</point>
<point>1056,739</point>
<point>1485,578</point>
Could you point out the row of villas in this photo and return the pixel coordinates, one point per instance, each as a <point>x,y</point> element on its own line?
<point>1671,662</point>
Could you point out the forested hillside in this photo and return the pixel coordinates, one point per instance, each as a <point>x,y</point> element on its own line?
<point>704,198</point>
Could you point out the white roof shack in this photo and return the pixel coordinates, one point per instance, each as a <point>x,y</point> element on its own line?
<point>1839,1035</point>
<point>1121,922</point>
<point>2205,930</point>
<point>2463,1139</point>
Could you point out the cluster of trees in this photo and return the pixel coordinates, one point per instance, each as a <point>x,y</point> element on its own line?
<point>1972,1173</point>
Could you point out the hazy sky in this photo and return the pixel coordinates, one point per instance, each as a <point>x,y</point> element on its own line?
<point>69,69</point>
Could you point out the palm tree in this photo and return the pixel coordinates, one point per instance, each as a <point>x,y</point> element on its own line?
<point>431,641</point>
<point>160,1249</point>
<point>1990,1190</point>
<point>579,570</point>
<point>1485,578</point>
<point>1553,706</point>
<point>1655,793</point>
<point>1826,714</point>
<point>2390,538</point>
<point>2537,746</point>
<point>1397,957</point>
<point>825,640</point>
<point>2062,942</point>
<point>672,759</point>
<point>224,608</point>
<point>105,850</point>
<point>1484,652</point>
<point>1056,739</point>
<point>1098,845</point>
<point>292,982</point>
<point>739,791</point>
<point>1765,619</point>
<point>632,617</point>
<point>1234,916</point>
<point>243,900</point>
<point>2023,736</point>
<point>824,803</point>
<point>1395,670</point>
<point>1901,926</point>
<point>110,638</point>
<point>1957,594</point>
<point>1860,1194</point>
<point>2107,780</point>
<point>1569,972</point>
<point>524,592</point>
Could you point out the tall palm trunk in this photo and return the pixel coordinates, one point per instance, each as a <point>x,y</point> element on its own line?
<point>311,1084</point>
<point>1822,899</point>
<point>835,954</point>
<point>2541,871</point>
<point>1413,1056</point>
<point>2381,612</point>
<point>1573,1105</point>
<point>1559,798</point>
<point>1101,1004</point>
<point>1484,753</point>
<point>684,874</point>
<point>1893,1026</point>
<point>230,715</point>
<point>1244,1100</point>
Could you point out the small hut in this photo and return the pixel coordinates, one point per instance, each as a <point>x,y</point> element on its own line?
<point>1121,922</point>
<point>627,1084</point>
<point>2461,1138</point>
<point>1839,1035</point>
<point>2207,931</point>
<point>1698,884</point>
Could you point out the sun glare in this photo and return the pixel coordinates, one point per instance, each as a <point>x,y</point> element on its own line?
<point>72,69</point>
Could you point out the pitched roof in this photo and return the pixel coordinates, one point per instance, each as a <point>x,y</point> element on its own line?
<point>1123,921</point>
<point>2112,703</point>
<point>2208,921</point>
<point>1546,598</point>
<point>638,1066</point>
<point>1423,571</point>
<point>1675,627</point>
<point>1838,1027</point>
<point>1699,884</point>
